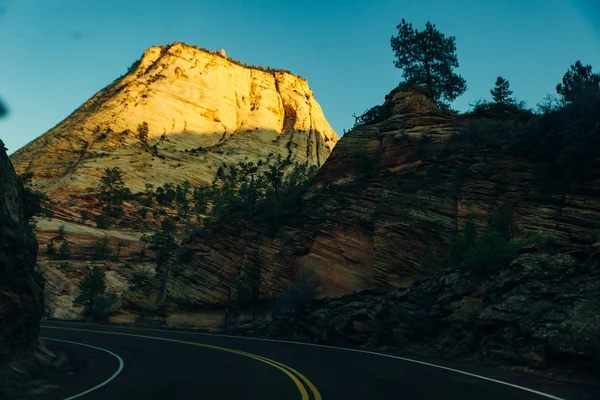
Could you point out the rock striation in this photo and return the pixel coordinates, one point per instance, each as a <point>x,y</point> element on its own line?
<point>377,202</point>
<point>202,109</point>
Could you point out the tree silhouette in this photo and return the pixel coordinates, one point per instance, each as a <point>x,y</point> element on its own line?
<point>90,287</point>
<point>577,79</point>
<point>428,58</point>
<point>162,241</point>
<point>143,131</point>
<point>112,192</point>
<point>501,92</point>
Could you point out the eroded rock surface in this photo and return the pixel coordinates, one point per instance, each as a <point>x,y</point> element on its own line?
<point>376,204</point>
<point>540,314</point>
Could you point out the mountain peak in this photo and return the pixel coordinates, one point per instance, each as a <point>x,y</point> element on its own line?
<point>190,99</point>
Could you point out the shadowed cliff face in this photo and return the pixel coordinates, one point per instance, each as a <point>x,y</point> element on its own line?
<point>374,207</point>
<point>21,297</point>
<point>538,314</point>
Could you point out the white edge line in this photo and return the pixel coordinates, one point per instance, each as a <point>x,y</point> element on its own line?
<point>547,395</point>
<point>106,382</point>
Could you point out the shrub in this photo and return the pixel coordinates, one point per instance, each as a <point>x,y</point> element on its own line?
<point>91,287</point>
<point>102,248</point>
<point>64,250</point>
<point>492,251</point>
<point>302,292</point>
<point>102,222</point>
<point>139,279</point>
<point>51,248</point>
<point>371,116</point>
<point>104,306</point>
<point>61,232</point>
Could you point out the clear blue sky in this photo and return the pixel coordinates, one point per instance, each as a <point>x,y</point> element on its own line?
<point>55,54</point>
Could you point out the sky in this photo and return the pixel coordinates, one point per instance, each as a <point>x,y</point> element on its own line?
<point>54,55</point>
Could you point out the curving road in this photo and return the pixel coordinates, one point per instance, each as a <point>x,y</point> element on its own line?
<point>135,363</point>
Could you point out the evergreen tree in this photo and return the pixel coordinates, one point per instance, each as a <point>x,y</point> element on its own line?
<point>64,250</point>
<point>61,232</point>
<point>112,192</point>
<point>577,79</point>
<point>501,92</point>
<point>90,288</point>
<point>162,242</point>
<point>428,58</point>
<point>143,131</point>
<point>102,247</point>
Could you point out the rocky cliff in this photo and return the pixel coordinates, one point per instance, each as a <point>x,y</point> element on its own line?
<point>377,202</point>
<point>21,297</point>
<point>540,315</point>
<point>202,110</point>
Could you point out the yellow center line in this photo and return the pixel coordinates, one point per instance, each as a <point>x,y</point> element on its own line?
<point>282,367</point>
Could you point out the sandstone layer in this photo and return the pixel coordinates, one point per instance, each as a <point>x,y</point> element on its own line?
<point>378,201</point>
<point>202,109</point>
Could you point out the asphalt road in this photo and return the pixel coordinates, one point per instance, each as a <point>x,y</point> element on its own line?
<point>158,364</point>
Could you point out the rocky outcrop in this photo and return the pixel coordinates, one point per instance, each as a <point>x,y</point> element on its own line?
<point>377,202</point>
<point>202,109</point>
<point>540,314</point>
<point>21,297</point>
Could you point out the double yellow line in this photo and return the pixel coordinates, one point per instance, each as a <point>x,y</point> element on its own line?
<point>301,382</point>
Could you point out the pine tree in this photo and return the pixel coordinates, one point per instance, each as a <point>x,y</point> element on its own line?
<point>428,58</point>
<point>64,250</point>
<point>112,192</point>
<point>501,92</point>
<point>102,248</point>
<point>162,242</point>
<point>143,131</point>
<point>90,287</point>
<point>577,79</point>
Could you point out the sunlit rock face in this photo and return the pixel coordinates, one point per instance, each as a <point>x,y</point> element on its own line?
<point>189,98</point>
<point>202,110</point>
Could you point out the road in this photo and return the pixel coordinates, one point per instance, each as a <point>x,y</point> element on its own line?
<point>135,363</point>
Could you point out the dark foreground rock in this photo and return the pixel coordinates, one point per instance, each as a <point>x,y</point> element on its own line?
<point>542,314</point>
<point>21,297</point>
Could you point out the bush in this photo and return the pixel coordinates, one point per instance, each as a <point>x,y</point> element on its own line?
<point>51,248</point>
<point>102,222</point>
<point>139,279</point>
<point>371,116</point>
<point>302,292</point>
<point>492,251</point>
<point>61,232</point>
<point>102,248</point>
<point>64,250</point>
<point>104,305</point>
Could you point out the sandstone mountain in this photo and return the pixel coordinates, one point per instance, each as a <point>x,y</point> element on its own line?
<point>191,99</point>
<point>377,202</point>
<point>202,110</point>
